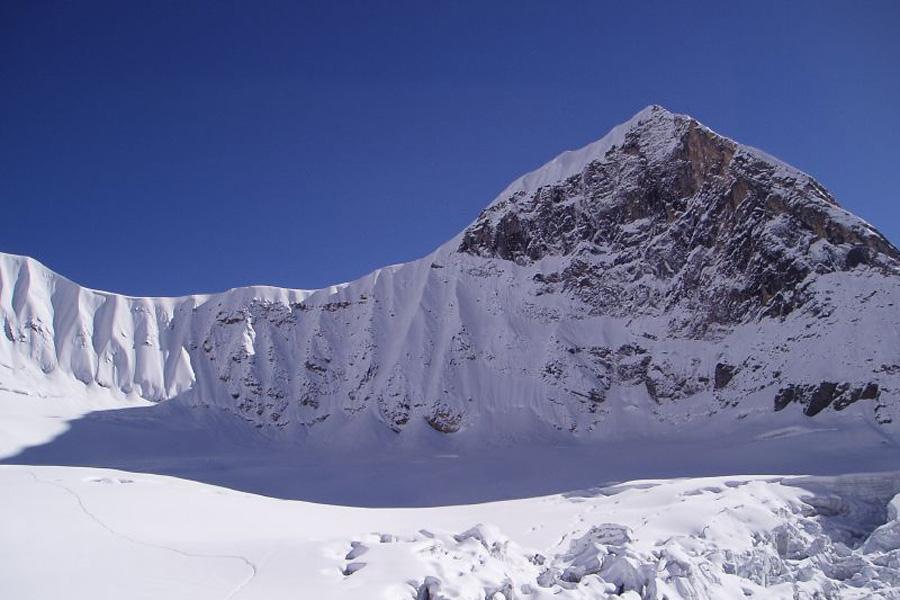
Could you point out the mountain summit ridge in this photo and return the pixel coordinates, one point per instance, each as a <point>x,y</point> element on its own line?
<point>659,278</point>
<point>572,162</point>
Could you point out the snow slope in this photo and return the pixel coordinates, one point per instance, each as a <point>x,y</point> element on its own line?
<point>148,536</point>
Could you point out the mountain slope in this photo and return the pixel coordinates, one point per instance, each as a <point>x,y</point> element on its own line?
<point>662,281</point>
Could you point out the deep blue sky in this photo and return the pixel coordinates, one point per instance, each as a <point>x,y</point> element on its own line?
<point>173,147</point>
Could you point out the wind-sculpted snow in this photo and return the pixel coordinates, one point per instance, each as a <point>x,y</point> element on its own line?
<point>721,538</point>
<point>662,280</point>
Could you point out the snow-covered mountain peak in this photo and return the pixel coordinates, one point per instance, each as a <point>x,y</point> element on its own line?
<point>662,211</point>
<point>657,132</point>
<point>659,277</point>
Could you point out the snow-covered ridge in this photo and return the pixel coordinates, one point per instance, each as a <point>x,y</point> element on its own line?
<point>573,162</point>
<point>99,337</point>
<point>654,280</point>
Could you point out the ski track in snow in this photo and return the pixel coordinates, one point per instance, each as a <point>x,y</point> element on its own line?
<point>93,517</point>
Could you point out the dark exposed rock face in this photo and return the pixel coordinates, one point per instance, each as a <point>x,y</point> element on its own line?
<point>445,421</point>
<point>723,375</point>
<point>816,398</point>
<point>678,216</point>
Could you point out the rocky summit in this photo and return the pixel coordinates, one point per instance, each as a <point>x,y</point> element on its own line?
<point>669,217</point>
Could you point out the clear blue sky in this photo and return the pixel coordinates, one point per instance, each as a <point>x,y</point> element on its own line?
<point>173,147</point>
